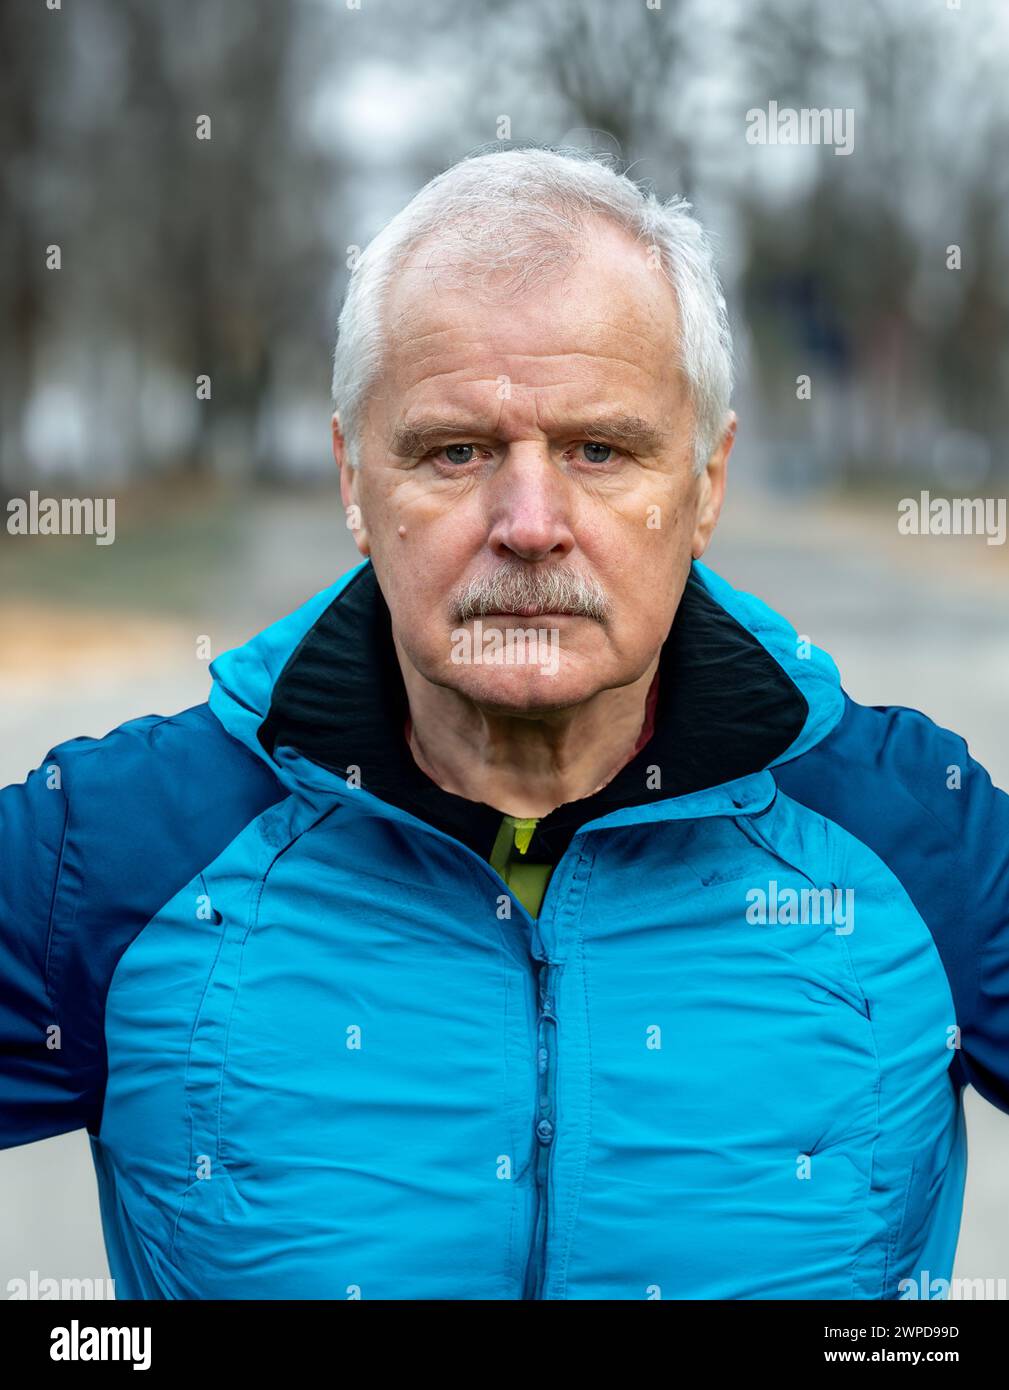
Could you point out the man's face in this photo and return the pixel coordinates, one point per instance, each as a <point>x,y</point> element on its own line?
<point>513,438</point>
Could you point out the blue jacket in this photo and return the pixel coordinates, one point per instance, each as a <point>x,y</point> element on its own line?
<point>321,1052</point>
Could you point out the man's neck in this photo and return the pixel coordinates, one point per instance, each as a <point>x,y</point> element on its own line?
<point>523,766</point>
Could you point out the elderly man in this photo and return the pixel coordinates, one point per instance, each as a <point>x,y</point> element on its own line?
<point>530,915</point>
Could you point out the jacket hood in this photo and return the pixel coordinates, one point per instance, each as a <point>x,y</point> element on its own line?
<point>319,696</point>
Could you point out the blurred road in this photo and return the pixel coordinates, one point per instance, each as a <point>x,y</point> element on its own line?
<point>919,621</point>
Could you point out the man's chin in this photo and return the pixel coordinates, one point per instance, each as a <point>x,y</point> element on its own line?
<point>529,689</point>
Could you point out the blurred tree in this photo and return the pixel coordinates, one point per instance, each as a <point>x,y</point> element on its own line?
<point>920,341</point>
<point>22,230</point>
<point>195,256</point>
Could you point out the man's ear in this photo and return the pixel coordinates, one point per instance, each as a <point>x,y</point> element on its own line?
<point>711,493</point>
<point>349,489</point>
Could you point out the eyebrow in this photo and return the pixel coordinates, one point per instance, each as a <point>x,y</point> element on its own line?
<point>628,431</point>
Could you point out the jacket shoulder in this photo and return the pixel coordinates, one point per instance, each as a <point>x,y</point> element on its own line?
<point>161,753</point>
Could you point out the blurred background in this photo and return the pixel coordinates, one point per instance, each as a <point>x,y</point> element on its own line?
<point>882,275</point>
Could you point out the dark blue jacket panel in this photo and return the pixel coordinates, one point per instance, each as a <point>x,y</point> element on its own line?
<point>910,790</point>
<point>92,843</point>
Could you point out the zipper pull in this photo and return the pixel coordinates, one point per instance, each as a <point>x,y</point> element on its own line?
<point>524,831</point>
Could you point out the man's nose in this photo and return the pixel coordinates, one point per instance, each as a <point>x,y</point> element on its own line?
<point>529,502</point>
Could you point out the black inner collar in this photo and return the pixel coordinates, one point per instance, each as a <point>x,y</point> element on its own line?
<point>725,709</point>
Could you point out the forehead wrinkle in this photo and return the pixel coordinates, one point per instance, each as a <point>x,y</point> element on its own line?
<point>415,319</point>
<point>512,363</point>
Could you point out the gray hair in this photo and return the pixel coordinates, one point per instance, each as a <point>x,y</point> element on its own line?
<point>516,214</point>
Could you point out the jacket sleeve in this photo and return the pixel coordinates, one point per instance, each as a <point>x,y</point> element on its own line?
<point>98,838</point>
<point>976,946</point>
<point>39,1092</point>
<point>911,790</point>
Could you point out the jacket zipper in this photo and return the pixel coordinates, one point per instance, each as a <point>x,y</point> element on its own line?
<point>545,1123</point>
<point>545,1053</point>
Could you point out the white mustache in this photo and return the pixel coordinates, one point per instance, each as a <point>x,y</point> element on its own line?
<point>558,589</point>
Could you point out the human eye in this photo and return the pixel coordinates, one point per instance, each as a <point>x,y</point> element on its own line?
<point>454,455</point>
<point>595,451</point>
